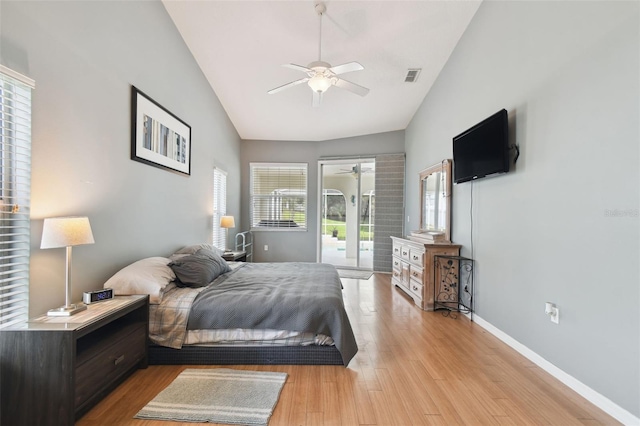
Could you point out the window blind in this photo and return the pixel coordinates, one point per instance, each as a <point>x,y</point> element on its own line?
<point>278,193</point>
<point>219,207</point>
<point>15,193</point>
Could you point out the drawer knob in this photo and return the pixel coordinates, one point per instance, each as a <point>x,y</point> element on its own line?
<point>118,360</point>
<point>415,288</point>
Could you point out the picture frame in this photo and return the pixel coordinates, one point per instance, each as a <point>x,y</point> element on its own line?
<point>158,137</point>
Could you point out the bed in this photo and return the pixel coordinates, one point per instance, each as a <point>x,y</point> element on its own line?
<point>240,313</point>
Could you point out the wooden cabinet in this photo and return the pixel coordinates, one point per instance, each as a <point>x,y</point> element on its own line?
<point>413,268</point>
<point>54,369</point>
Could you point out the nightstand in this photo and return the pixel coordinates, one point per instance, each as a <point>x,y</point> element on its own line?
<point>54,369</point>
<point>237,256</point>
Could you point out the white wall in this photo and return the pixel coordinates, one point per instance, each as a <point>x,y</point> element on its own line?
<point>84,57</point>
<point>567,72</point>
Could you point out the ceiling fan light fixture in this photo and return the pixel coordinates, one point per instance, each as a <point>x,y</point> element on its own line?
<point>319,83</point>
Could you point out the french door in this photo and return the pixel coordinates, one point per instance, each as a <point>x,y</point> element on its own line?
<point>347,211</point>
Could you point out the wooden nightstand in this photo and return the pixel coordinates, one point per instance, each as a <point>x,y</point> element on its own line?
<point>237,256</point>
<point>54,369</point>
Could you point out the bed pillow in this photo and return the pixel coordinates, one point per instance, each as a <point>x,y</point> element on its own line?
<point>198,269</point>
<point>192,249</point>
<point>147,276</point>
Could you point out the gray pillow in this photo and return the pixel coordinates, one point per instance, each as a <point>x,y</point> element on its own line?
<point>192,249</point>
<point>198,269</point>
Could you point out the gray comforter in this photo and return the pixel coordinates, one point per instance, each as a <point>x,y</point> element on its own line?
<point>282,296</point>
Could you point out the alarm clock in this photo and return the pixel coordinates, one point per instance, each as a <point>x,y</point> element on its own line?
<point>89,297</point>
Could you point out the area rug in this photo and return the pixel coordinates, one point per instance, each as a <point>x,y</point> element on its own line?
<point>355,274</point>
<point>218,395</point>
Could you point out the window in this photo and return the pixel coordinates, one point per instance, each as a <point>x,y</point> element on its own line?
<point>278,195</point>
<point>219,207</point>
<point>15,193</point>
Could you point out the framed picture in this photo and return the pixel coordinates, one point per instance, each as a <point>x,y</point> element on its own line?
<point>158,138</point>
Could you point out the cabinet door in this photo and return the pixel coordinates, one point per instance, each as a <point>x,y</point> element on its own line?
<point>406,275</point>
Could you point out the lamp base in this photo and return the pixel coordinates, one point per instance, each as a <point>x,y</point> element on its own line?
<point>66,311</point>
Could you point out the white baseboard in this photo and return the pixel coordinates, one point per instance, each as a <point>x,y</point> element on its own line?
<point>597,399</point>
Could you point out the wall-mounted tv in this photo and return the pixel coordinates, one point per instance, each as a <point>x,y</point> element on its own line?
<point>482,150</point>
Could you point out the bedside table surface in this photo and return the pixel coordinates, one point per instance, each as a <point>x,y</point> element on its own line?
<point>233,255</point>
<point>94,313</point>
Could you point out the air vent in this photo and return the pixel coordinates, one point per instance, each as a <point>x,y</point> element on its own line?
<point>412,75</point>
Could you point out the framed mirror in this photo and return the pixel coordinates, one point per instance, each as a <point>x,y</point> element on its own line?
<point>435,199</point>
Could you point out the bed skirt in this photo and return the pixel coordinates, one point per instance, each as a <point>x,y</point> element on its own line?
<point>248,355</point>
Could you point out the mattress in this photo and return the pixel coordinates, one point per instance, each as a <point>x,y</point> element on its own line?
<point>258,304</point>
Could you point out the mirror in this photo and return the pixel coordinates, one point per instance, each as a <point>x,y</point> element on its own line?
<point>435,199</point>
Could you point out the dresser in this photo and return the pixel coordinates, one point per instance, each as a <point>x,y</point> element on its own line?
<point>54,369</point>
<point>413,268</point>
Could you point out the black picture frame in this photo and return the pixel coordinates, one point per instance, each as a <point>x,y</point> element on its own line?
<point>158,137</point>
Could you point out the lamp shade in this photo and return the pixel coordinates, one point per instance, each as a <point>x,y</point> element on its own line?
<point>227,222</point>
<point>319,83</point>
<point>66,232</point>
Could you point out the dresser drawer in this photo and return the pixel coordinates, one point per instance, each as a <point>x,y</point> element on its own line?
<point>416,256</point>
<point>106,361</point>
<point>396,263</point>
<point>416,289</point>
<point>404,252</point>
<point>415,273</point>
<point>397,249</point>
<point>397,273</point>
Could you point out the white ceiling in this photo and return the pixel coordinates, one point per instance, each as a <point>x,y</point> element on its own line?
<point>241,46</point>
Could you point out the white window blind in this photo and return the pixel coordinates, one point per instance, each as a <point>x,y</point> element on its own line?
<point>15,193</point>
<point>278,195</point>
<point>219,208</point>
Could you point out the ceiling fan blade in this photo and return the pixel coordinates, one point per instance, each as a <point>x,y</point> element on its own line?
<point>317,99</point>
<point>352,87</point>
<point>298,67</point>
<point>285,86</point>
<point>348,67</point>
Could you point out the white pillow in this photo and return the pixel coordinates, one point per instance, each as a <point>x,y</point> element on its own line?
<point>147,276</point>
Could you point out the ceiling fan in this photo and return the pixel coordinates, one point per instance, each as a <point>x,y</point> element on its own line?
<point>321,75</point>
<point>354,171</point>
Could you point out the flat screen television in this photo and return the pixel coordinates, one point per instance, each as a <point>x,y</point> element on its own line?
<point>482,150</point>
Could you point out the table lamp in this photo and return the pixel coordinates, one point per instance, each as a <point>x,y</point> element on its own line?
<point>227,222</point>
<point>66,232</point>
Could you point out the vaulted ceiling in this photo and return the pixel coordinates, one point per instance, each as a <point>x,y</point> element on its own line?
<point>241,47</point>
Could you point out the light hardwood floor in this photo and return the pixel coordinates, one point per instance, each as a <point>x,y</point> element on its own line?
<point>413,368</point>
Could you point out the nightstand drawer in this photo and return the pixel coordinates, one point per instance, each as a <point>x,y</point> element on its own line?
<point>105,362</point>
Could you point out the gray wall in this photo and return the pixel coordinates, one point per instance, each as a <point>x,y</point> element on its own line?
<point>567,72</point>
<point>297,246</point>
<point>84,56</point>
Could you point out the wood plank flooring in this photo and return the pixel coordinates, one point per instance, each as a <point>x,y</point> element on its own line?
<point>413,368</point>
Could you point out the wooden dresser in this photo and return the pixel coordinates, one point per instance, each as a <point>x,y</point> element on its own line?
<point>54,369</point>
<point>413,269</point>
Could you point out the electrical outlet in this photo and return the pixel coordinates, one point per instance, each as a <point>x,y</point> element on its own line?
<point>552,310</point>
<point>266,247</point>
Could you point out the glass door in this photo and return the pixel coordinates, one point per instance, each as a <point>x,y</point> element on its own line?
<point>347,212</point>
